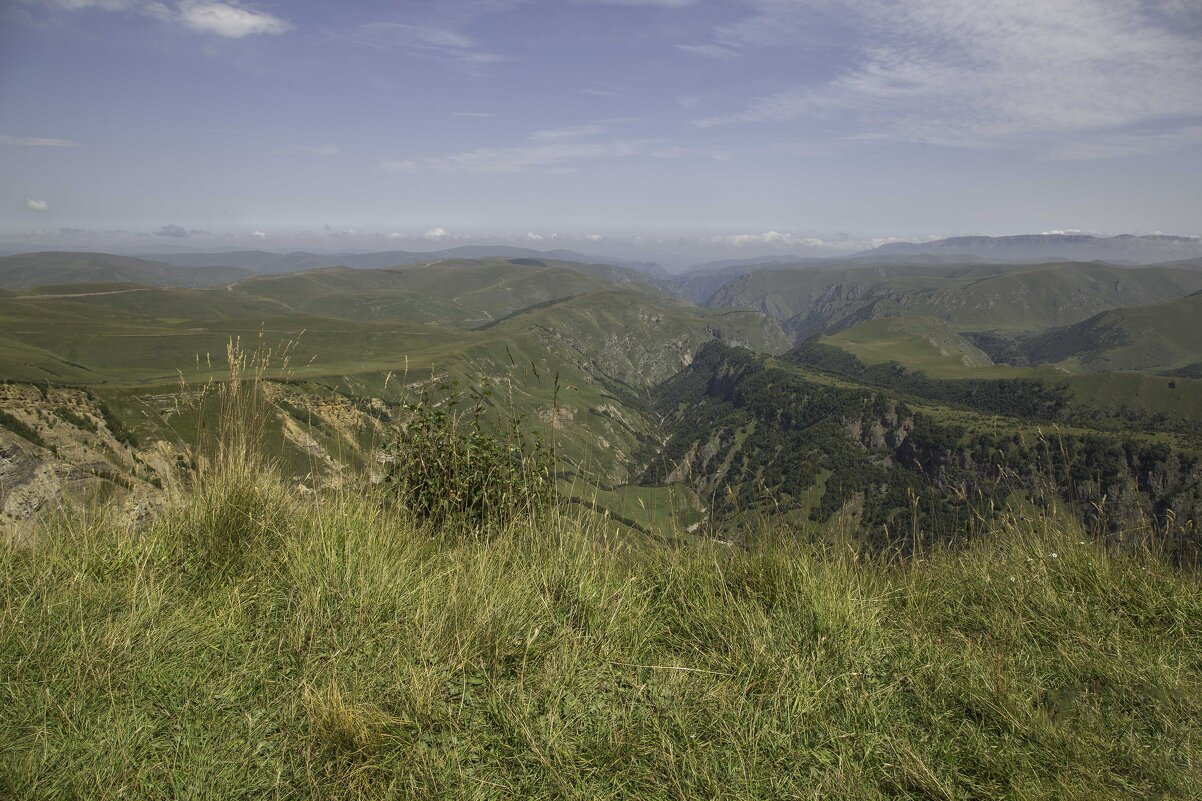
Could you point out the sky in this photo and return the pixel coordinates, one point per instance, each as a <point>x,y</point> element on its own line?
<point>731,127</point>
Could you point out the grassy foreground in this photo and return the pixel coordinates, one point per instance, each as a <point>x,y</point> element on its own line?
<point>255,644</point>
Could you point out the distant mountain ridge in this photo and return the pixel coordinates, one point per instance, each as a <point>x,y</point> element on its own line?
<point>1128,248</point>
<point>263,261</point>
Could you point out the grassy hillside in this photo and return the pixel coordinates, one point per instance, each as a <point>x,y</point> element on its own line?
<point>38,269</point>
<point>253,642</point>
<point>1127,399</point>
<point>920,343</point>
<point>969,298</point>
<point>353,321</point>
<point>1162,336</point>
<point>463,293</point>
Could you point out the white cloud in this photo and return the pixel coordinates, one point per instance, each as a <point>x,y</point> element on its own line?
<point>768,238</point>
<point>396,235</point>
<point>258,234</point>
<point>973,74</point>
<point>229,20</point>
<point>533,237</point>
<point>437,235</point>
<point>35,141</point>
<point>778,239</point>
<point>36,205</point>
<point>593,237</point>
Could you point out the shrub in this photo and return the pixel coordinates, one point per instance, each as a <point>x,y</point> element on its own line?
<point>450,470</point>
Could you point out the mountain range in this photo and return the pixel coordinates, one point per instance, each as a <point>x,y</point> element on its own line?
<point>1127,248</point>
<point>779,388</point>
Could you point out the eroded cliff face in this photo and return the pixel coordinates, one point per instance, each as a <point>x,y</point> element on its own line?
<point>58,447</point>
<point>61,446</point>
<point>748,435</point>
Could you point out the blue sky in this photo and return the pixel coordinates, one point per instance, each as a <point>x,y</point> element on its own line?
<point>726,127</point>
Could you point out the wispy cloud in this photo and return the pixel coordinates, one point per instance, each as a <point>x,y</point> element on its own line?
<point>36,205</point>
<point>427,41</point>
<point>35,141</point>
<point>708,49</point>
<point>232,20</point>
<point>548,156</point>
<point>603,91</point>
<point>965,73</point>
<point>570,132</point>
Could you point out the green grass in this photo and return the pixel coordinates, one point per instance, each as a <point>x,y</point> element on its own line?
<point>921,343</point>
<point>252,643</point>
<point>1162,336</point>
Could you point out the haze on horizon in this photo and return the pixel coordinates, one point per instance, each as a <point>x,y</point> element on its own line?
<point>656,125</point>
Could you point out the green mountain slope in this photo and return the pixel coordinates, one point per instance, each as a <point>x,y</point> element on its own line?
<point>920,343</point>
<point>1162,336</point>
<point>1004,298</point>
<point>39,269</point>
<point>462,293</point>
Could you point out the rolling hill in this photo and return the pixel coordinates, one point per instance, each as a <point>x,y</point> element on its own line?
<point>1156,337</point>
<point>461,292</point>
<point>58,268</point>
<point>992,297</point>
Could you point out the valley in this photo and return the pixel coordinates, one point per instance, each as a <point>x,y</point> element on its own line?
<point>891,393</point>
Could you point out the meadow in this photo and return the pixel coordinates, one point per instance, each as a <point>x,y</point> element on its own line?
<point>256,642</point>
